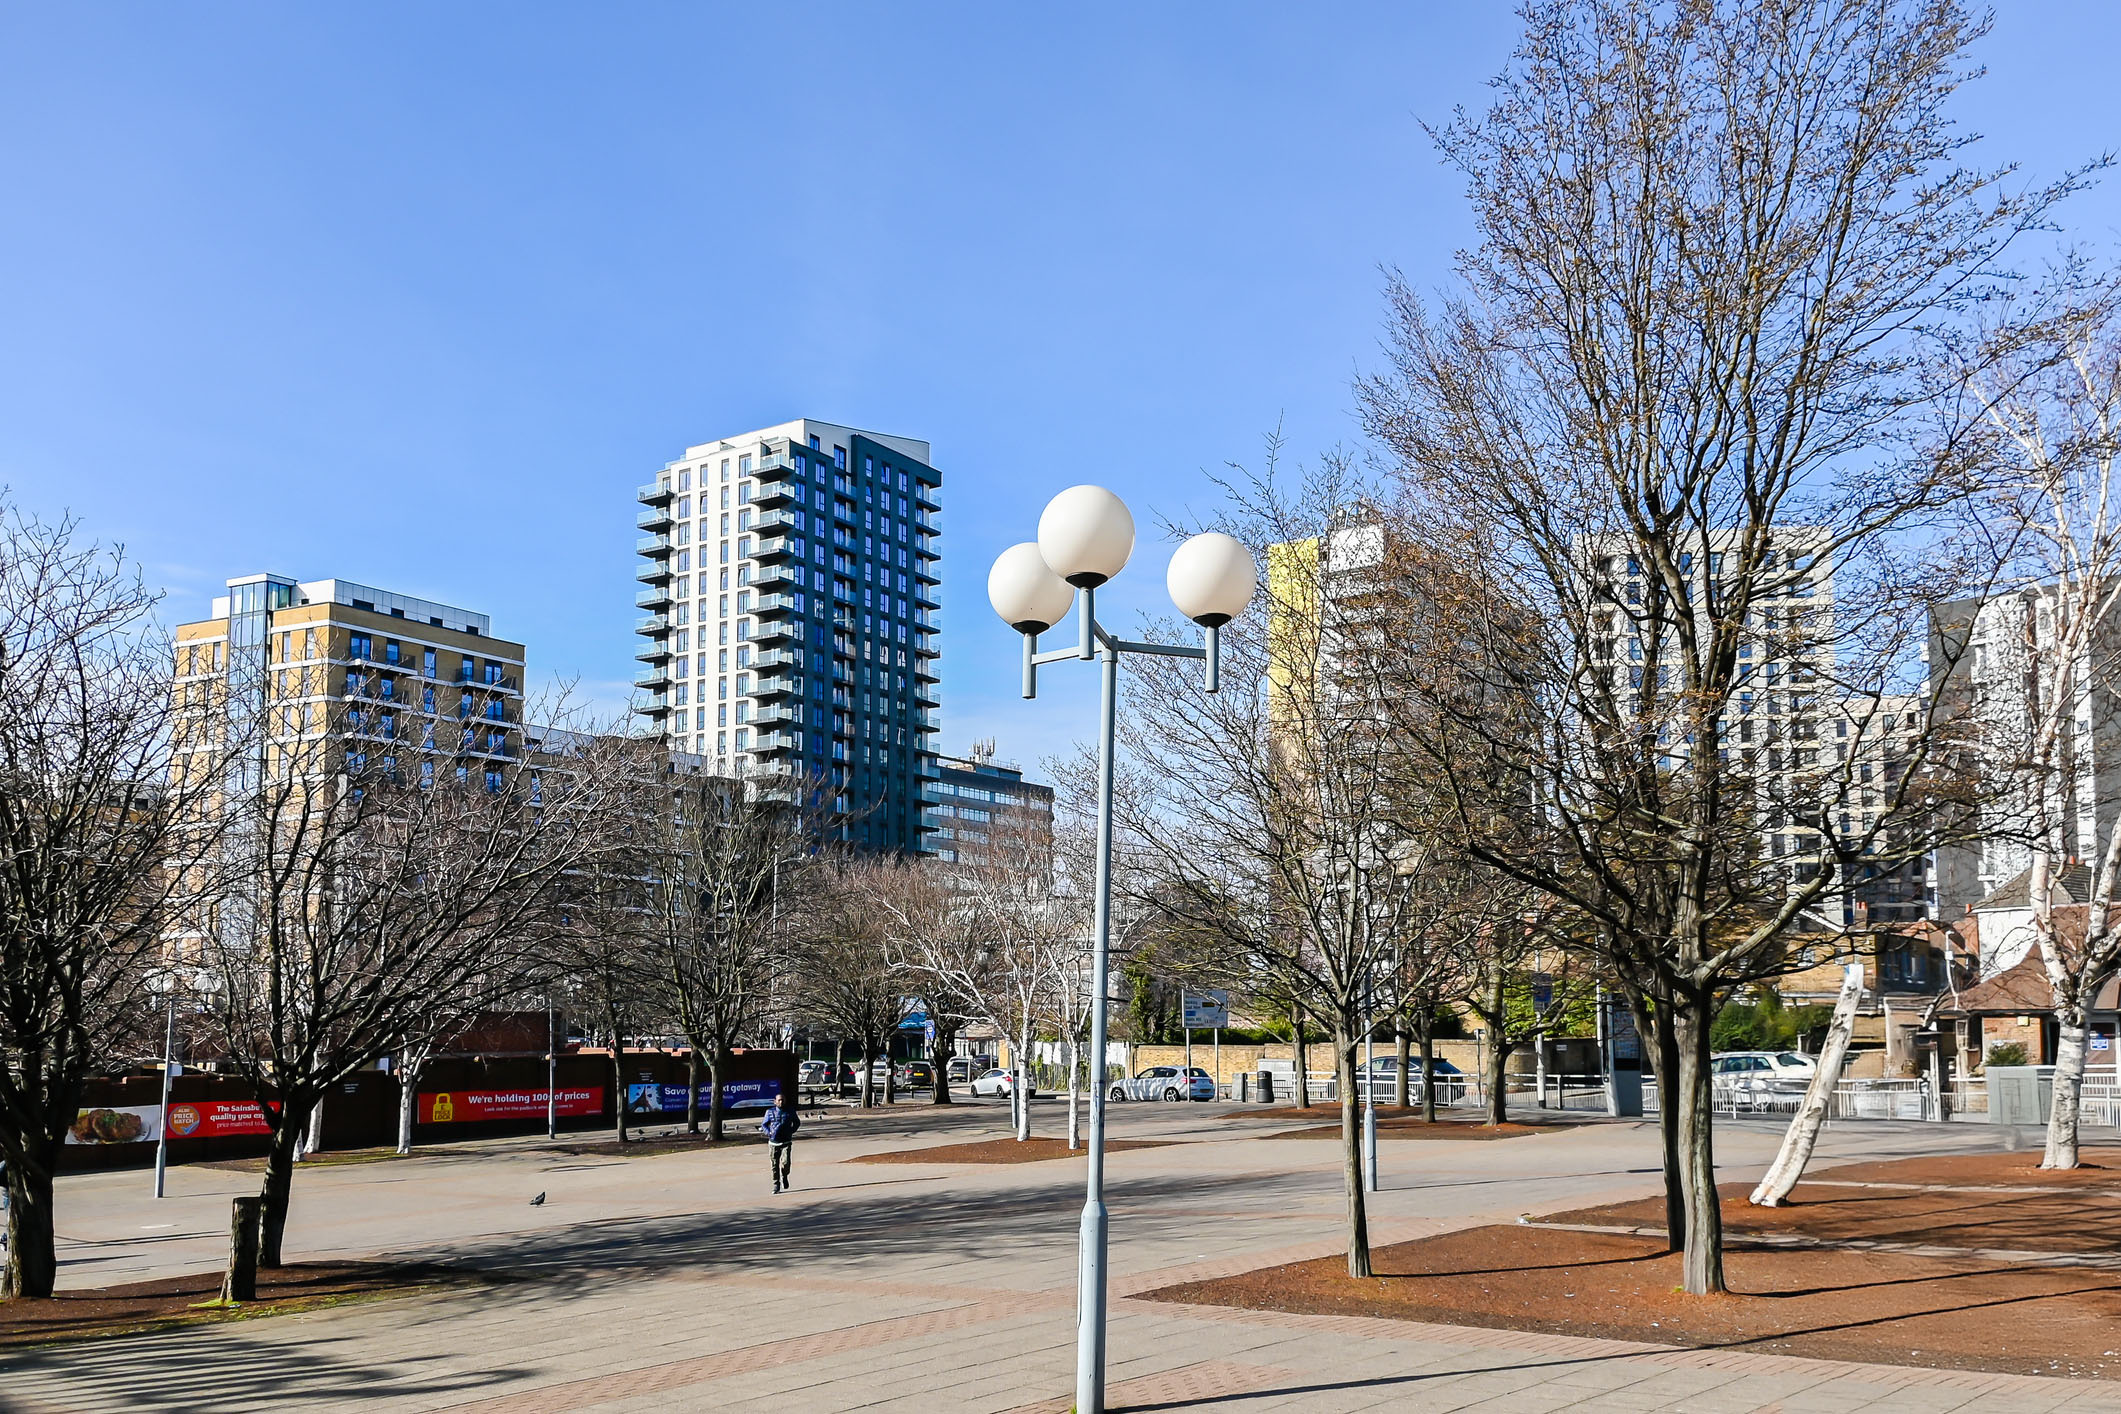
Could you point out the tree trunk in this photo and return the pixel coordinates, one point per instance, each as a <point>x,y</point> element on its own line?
<point>2071,1040</point>
<point>278,1188</point>
<point>839,1068</point>
<point>868,1076</point>
<point>239,1283</point>
<point>945,1047</point>
<point>1657,1031</point>
<point>618,1083</point>
<point>1399,1081</point>
<point>1351,1154</point>
<point>1075,1062</point>
<point>1497,1078</point>
<point>1428,1074</point>
<point>1803,1135</point>
<point>692,1090</point>
<point>1303,1060</point>
<point>1023,1083</point>
<point>408,1102</point>
<point>32,1242</point>
<point>1697,1153</point>
<point>717,1107</point>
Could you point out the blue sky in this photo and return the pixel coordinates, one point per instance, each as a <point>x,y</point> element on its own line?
<point>416,295</point>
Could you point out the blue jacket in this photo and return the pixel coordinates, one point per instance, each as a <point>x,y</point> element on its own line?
<point>781,1124</point>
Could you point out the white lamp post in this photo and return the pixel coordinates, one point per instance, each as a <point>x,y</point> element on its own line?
<point>1085,537</point>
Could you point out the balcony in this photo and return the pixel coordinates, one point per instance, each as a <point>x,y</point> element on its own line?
<point>653,706</point>
<point>927,696</point>
<point>778,577</point>
<point>656,598</point>
<point>925,596</point>
<point>652,545</point>
<point>778,716</point>
<point>778,741</point>
<point>652,624</point>
<point>775,630</point>
<point>774,547</point>
<point>776,604</point>
<point>655,652</point>
<point>924,569</point>
<point>778,520</point>
<point>925,495</point>
<point>780,683</point>
<point>654,491</point>
<point>654,518</point>
<point>654,572</point>
<point>652,679</point>
<point>924,721</point>
<point>776,493</point>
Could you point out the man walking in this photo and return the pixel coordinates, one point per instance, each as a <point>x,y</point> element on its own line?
<point>781,1124</point>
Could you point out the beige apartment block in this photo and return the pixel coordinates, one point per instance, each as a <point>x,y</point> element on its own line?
<point>353,679</point>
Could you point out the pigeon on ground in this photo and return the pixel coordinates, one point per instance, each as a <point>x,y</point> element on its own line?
<point>537,1201</point>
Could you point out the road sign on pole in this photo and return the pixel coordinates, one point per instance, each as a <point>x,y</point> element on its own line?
<point>1207,1011</point>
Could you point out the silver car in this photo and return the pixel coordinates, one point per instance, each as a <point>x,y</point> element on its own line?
<point>1165,1082</point>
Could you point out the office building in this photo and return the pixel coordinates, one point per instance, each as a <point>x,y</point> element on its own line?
<point>790,625</point>
<point>974,797</point>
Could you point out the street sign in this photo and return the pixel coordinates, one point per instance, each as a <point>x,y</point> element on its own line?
<point>1542,992</point>
<point>2101,1041</point>
<point>1207,1011</point>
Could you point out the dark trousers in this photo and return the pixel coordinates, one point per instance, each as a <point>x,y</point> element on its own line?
<point>778,1155</point>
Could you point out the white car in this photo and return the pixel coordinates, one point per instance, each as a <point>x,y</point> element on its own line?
<point>1165,1082</point>
<point>997,1082</point>
<point>1763,1065</point>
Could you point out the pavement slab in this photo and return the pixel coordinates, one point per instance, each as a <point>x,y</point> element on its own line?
<point>680,1282</point>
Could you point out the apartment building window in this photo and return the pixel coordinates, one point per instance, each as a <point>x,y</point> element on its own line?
<point>725,522</point>
<point>743,465</point>
<point>387,726</point>
<point>721,715</point>
<point>493,781</point>
<point>743,628</point>
<point>685,533</point>
<point>427,773</point>
<point>815,445</point>
<point>684,566</point>
<point>427,699</point>
<point>725,552</point>
<point>725,468</point>
<point>360,646</point>
<point>721,743</point>
<point>684,478</point>
<point>721,607</point>
<point>353,681</point>
<point>725,579</point>
<point>743,738</point>
<point>725,492</point>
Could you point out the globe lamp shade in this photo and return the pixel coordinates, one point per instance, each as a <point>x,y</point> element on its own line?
<point>1086,535</point>
<point>1029,597</point>
<point>1211,578</point>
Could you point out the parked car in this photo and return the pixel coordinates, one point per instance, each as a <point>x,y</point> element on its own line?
<point>813,1075</point>
<point>996,1081</point>
<point>963,1070</point>
<point>915,1075</point>
<point>1767,1065</point>
<point>1165,1082</point>
<point>1382,1075</point>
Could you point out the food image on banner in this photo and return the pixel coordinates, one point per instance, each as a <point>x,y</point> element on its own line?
<point>109,1124</point>
<point>470,1106</point>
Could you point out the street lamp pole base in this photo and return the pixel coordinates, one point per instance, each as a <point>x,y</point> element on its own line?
<point>1090,1313</point>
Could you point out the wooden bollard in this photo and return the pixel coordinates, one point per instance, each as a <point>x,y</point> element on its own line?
<point>240,1282</point>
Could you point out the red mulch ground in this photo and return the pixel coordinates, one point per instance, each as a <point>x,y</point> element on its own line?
<point>149,1305</point>
<point>1394,1123</point>
<point>1865,1306</point>
<point>2016,1170</point>
<point>1958,1312</point>
<point>998,1151</point>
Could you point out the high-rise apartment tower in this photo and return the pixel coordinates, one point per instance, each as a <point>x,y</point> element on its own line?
<point>790,629</point>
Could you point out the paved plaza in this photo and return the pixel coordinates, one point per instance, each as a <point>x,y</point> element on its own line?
<point>678,1281</point>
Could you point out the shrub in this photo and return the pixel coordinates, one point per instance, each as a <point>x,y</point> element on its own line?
<point>2009,1053</point>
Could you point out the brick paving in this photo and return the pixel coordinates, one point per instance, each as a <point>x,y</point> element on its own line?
<point>680,1283</point>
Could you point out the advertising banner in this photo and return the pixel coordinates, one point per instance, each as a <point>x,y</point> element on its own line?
<point>468,1106</point>
<point>188,1119</point>
<point>670,1099</point>
<point>1620,1026</point>
<point>217,1119</point>
<point>119,1124</point>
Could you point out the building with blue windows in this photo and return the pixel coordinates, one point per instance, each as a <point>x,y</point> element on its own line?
<point>790,598</point>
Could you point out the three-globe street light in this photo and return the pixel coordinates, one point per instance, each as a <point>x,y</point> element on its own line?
<point>1085,537</point>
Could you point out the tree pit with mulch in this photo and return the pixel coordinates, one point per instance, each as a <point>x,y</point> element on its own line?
<point>192,1300</point>
<point>1970,1202</point>
<point>999,1151</point>
<point>1828,1275</point>
<point>1396,1123</point>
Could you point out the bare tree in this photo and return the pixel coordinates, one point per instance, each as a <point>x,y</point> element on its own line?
<point>845,967</point>
<point>2044,649</point>
<point>717,854</point>
<point>1678,396</point>
<point>358,904</point>
<point>95,835</point>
